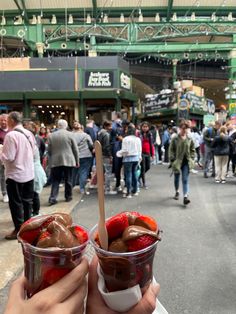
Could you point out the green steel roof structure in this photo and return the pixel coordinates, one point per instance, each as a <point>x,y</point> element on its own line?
<point>167,29</point>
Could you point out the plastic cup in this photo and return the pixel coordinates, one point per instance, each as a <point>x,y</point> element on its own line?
<point>43,267</point>
<point>125,270</point>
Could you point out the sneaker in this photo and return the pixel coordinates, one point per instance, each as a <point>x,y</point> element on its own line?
<point>52,202</point>
<point>176,197</point>
<point>223,181</point>
<point>110,192</point>
<point>82,191</point>
<point>87,192</point>
<point>119,189</point>
<point>145,187</point>
<point>217,181</point>
<point>136,194</point>
<point>129,196</point>
<point>124,190</point>
<point>227,175</point>
<point>5,198</point>
<point>186,200</point>
<point>194,171</point>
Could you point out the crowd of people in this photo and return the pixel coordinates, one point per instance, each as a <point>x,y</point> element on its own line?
<point>36,156</point>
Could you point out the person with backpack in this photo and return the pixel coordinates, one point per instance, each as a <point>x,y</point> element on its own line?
<point>182,154</point>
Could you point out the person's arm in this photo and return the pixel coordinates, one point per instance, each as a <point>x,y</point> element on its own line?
<point>65,296</point>
<point>172,149</point>
<point>75,150</point>
<point>9,150</point>
<point>192,150</point>
<point>95,303</point>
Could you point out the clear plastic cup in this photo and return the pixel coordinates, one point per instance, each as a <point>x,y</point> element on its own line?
<point>125,270</point>
<point>43,267</point>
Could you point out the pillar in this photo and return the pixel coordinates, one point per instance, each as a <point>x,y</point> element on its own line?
<point>231,93</point>
<point>40,48</point>
<point>26,108</point>
<point>174,70</point>
<point>82,111</point>
<point>118,104</point>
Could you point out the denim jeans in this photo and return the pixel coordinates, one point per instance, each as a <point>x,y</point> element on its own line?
<point>131,181</point>
<point>107,163</point>
<point>80,175</point>
<point>185,176</point>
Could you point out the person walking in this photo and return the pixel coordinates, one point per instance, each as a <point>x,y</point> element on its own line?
<point>3,132</point>
<point>148,151</point>
<point>17,157</point>
<point>182,153</point>
<point>208,138</point>
<point>221,146</point>
<point>131,151</point>
<point>63,157</point>
<point>166,138</point>
<point>105,140</point>
<point>85,146</point>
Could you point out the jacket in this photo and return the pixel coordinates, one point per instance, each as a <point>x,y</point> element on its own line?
<point>131,146</point>
<point>208,136</point>
<point>221,145</point>
<point>104,139</point>
<point>62,149</point>
<point>83,141</point>
<point>178,149</point>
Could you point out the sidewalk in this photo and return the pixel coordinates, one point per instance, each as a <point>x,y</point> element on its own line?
<point>11,258</point>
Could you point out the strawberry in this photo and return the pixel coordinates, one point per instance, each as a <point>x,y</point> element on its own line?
<point>80,234</point>
<point>146,222</point>
<point>31,229</point>
<point>116,225</point>
<point>140,243</point>
<point>54,274</point>
<point>44,235</point>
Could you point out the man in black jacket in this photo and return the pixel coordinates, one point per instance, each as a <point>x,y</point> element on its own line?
<point>104,138</point>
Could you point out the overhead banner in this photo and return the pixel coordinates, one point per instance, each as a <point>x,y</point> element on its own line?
<point>154,102</point>
<point>99,79</point>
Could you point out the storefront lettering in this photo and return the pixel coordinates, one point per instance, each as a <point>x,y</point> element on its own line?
<point>99,79</point>
<point>125,81</point>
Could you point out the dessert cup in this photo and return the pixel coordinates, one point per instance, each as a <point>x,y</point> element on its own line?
<point>44,266</point>
<point>125,270</point>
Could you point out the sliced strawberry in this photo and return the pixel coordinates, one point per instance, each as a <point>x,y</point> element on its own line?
<point>116,225</point>
<point>54,274</point>
<point>80,234</point>
<point>44,235</point>
<point>140,243</point>
<point>146,222</point>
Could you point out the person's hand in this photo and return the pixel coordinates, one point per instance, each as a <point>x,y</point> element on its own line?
<point>95,303</point>
<point>65,296</point>
<point>77,165</point>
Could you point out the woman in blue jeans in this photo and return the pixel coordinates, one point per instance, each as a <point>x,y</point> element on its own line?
<point>182,153</point>
<point>131,151</point>
<point>85,145</point>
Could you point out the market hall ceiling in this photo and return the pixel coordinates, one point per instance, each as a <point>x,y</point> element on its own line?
<point>163,6</point>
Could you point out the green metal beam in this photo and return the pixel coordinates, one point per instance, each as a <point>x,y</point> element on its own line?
<point>169,9</point>
<point>18,6</point>
<point>94,2</point>
<point>25,10</point>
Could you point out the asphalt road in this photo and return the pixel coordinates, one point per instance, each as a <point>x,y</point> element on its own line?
<point>195,262</point>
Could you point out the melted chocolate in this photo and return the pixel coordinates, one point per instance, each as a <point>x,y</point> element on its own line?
<point>133,232</point>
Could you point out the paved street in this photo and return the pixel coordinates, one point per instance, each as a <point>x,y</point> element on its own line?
<point>195,262</point>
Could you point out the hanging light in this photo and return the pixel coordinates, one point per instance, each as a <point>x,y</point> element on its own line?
<point>34,20</point>
<point>193,16</point>
<point>140,17</point>
<point>3,22</point>
<point>105,19</point>
<point>230,17</point>
<point>18,20</point>
<point>54,19</point>
<point>157,18</point>
<point>88,20</point>
<point>39,19</point>
<point>70,19</point>
<point>122,18</point>
<point>213,17</point>
<point>174,17</point>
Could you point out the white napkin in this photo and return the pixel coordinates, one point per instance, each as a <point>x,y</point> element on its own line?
<point>122,301</point>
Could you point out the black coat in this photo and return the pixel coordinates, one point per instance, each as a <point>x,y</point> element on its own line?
<point>221,145</point>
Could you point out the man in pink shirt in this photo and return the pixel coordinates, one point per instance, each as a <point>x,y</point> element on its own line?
<point>3,132</point>
<point>17,157</point>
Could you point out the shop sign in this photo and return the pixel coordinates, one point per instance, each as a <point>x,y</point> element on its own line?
<point>98,79</point>
<point>210,106</point>
<point>232,109</point>
<point>125,81</point>
<point>183,107</point>
<point>197,102</point>
<point>155,102</point>
<point>207,118</point>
